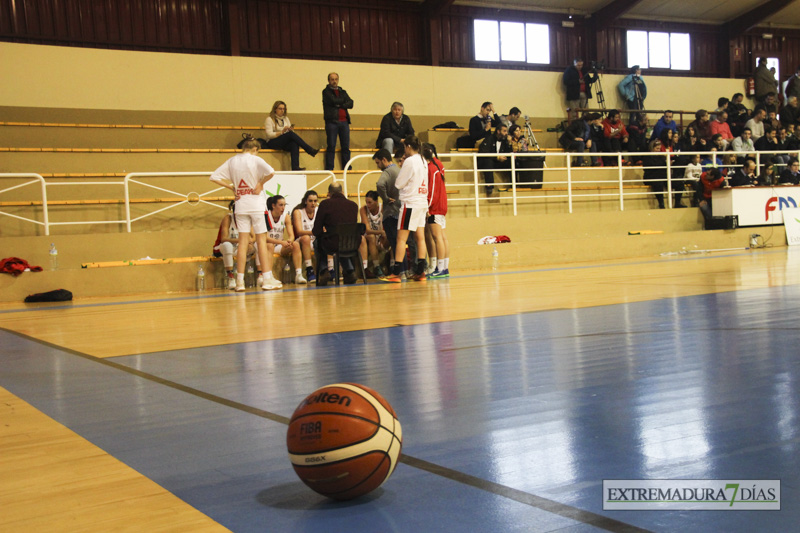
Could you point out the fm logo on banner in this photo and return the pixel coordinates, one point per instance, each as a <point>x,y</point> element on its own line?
<point>791,221</point>
<point>780,203</point>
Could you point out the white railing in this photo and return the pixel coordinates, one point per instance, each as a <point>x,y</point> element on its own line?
<point>133,178</point>
<point>625,175</point>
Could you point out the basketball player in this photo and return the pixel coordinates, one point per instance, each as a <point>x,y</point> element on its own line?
<point>276,244</point>
<point>245,174</point>
<point>412,182</point>
<point>372,218</point>
<point>303,222</point>
<point>227,243</point>
<point>437,209</point>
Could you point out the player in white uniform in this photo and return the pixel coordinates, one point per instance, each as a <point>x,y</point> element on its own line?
<point>374,239</point>
<point>303,222</point>
<point>245,174</point>
<point>227,243</point>
<point>277,223</point>
<point>412,182</point>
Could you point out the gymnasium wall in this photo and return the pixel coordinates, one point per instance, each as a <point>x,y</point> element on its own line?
<point>39,76</point>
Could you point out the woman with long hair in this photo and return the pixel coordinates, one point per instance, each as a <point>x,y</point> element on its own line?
<point>281,136</point>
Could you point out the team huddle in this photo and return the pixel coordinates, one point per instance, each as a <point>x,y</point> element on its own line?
<point>410,198</point>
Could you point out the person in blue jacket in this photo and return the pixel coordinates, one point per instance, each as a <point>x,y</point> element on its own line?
<point>633,89</point>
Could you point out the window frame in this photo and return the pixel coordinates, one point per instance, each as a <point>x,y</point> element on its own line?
<point>527,26</point>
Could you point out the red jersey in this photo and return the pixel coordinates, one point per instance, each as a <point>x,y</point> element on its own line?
<point>437,195</point>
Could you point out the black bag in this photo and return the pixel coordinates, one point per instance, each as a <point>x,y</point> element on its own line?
<point>246,136</point>
<point>465,141</point>
<point>447,126</point>
<point>534,172</point>
<point>726,222</point>
<point>58,295</point>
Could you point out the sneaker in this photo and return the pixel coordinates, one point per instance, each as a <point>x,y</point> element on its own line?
<point>310,275</point>
<point>260,280</point>
<point>379,272</point>
<point>299,279</point>
<point>393,278</point>
<point>441,274</point>
<point>231,283</point>
<point>239,285</point>
<point>271,284</point>
<point>431,269</point>
<point>419,277</point>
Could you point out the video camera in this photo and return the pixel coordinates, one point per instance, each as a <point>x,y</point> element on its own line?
<point>597,66</point>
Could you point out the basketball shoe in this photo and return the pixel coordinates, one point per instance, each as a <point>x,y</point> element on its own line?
<point>441,274</point>
<point>310,276</point>
<point>392,278</point>
<point>231,283</point>
<point>240,286</point>
<point>270,284</point>
<point>299,279</point>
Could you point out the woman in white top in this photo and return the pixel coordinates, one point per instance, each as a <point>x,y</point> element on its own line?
<point>303,222</point>
<point>281,135</point>
<point>374,239</point>
<point>245,174</point>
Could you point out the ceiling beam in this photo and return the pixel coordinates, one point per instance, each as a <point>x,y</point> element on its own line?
<point>434,7</point>
<point>755,16</point>
<point>605,15</point>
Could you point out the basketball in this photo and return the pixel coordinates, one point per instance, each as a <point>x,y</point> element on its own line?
<point>344,440</point>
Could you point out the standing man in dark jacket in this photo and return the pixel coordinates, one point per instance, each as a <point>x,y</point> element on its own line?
<point>578,81</point>
<point>395,126</point>
<point>331,212</point>
<point>335,103</point>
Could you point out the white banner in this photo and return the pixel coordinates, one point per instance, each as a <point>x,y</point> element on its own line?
<point>692,494</point>
<point>290,186</point>
<point>791,220</point>
<point>755,206</point>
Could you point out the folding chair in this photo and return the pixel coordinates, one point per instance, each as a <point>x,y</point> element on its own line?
<point>349,242</point>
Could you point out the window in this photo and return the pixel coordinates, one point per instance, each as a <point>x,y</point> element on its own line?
<point>512,41</point>
<point>654,49</point>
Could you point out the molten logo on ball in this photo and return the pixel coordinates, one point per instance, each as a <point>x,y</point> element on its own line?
<point>344,440</point>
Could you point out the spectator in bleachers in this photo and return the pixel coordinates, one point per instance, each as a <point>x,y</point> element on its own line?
<point>511,119</point>
<point>768,141</point>
<point>701,125</point>
<point>790,112</point>
<point>281,136</point>
<point>577,80</point>
<point>743,143</point>
<point>395,126</point>
<point>722,105</point>
<point>335,210</point>
<point>769,104</point>
<point>772,121</point>
<point>576,138</point>
<point>667,141</point>
<point>767,178</point>
<point>764,80</point>
<point>780,145</point>
<point>633,89</point>
<point>596,134</point>
<point>303,216</point>
<point>791,175</point>
<point>517,139</point>
<point>791,142</point>
<point>738,114</point>
<point>637,133</point>
<point>690,142</point>
<point>655,172</point>
<point>756,124</point>
<point>335,105</point>
<point>374,240</point>
<point>693,168</point>
<point>744,176</point>
<point>480,126</point>
<point>494,144</point>
<point>664,122</point>
<point>390,196</point>
<point>720,125</point>
<point>793,85</point>
<point>615,135</point>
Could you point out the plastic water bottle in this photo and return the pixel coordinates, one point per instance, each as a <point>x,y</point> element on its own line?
<point>495,258</point>
<point>53,256</point>
<point>250,276</point>
<point>287,274</point>
<point>201,279</point>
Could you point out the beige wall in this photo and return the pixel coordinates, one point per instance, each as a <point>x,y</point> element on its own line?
<point>84,78</point>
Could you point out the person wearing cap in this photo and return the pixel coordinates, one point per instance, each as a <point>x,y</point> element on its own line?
<point>633,89</point>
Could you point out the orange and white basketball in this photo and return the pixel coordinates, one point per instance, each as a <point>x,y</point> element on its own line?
<point>344,440</point>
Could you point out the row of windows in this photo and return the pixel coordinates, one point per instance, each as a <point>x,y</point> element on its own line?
<point>530,43</point>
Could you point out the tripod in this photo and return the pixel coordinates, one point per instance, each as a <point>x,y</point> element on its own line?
<point>601,99</point>
<point>529,134</point>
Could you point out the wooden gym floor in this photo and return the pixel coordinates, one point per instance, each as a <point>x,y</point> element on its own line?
<point>519,392</point>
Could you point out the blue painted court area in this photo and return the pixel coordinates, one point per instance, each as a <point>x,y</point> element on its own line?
<point>510,423</point>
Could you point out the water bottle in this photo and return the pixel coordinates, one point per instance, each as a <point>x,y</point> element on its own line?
<point>287,274</point>
<point>250,276</point>
<point>53,256</point>
<point>495,258</point>
<point>200,283</point>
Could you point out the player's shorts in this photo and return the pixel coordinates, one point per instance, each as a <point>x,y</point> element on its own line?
<point>278,248</point>
<point>411,218</point>
<point>255,221</point>
<point>437,219</point>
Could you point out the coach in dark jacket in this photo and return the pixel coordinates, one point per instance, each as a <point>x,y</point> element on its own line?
<point>331,212</point>
<point>395,126</point>
<point>577,82</point>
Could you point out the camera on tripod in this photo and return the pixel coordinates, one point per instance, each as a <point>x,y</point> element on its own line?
<point>597,66</point>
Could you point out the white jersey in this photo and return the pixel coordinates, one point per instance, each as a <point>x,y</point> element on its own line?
<point>245,170</point>
<point>375,221</point>
<point>308,223</point>
<point>412,182</point>
<point>275,228</point>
